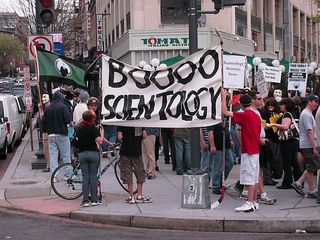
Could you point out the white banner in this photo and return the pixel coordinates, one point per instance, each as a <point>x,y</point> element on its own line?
<point>272,74</point>
<point>233,71</point>
<point>184,95</point>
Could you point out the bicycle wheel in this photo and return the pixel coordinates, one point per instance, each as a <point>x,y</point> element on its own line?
<point>66,181</point>
<point>117,173</point>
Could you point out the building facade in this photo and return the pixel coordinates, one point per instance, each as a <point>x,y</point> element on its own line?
<point>141,30</point>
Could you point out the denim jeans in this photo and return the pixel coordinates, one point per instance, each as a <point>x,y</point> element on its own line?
<point>89,163</point>
<point>206,162</point>
<point>218,167</point>
<point>59,144</point>
<point>183,154</point>
<point>236,150</point>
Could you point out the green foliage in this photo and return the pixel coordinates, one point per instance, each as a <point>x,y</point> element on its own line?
<point>10,48</point>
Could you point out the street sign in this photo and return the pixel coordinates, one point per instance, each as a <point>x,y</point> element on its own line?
<point>27,89</point>
<point>45,41</point>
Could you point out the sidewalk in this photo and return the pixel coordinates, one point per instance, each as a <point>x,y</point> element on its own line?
<point>27,189</point>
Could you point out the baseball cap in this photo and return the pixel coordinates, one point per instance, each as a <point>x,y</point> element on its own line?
<point>312,97</point>
<point>83,96</point>
<point>245,100</point>
<point>93,101</point>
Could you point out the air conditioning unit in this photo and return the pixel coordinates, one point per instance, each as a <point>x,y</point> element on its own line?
<point>294,59</point>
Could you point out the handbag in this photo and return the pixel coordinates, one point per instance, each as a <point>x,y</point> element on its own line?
<point>291,133</point>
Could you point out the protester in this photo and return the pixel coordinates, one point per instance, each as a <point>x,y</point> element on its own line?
<point>131,162</point>
<point>55,120</point>
<point>308,146</point>
<point>182,142</point>
<point>45,138</point>
<point>206,154</point>
<point>215,135</point>
<point>81,107</point>
<point>250,148</point>
<point>288,147</point>
<point>88,135</point>
<point>148,151</point>
<point>271,109</point>
<point>168,142</point>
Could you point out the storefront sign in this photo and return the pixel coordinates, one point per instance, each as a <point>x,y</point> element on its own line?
<point>99,34</point>
<point>165,41</point>
<point>184,95</point>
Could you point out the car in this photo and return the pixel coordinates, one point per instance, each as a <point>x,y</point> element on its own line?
<point>11,109</point>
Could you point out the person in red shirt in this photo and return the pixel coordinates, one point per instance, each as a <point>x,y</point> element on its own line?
<point>250,148</point>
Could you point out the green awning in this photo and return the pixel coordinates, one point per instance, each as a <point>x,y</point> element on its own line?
<point>173,60</point>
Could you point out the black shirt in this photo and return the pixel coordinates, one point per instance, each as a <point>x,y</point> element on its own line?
<point>87,138</point>
<point>131,141</point>
<point>218,136</point>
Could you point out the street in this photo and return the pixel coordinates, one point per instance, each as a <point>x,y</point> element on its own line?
<point>31,226</point>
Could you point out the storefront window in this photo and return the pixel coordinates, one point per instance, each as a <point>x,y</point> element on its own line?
<point>175,11</point>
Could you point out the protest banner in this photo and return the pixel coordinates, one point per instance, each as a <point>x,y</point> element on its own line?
<point>184,95</point>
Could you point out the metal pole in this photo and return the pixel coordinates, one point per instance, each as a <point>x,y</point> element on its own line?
<point>193,47</point>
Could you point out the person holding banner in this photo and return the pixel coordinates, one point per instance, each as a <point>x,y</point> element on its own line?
<point>131,162</point>
<point>250,148</point>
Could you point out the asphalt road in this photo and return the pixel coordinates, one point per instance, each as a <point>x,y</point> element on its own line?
<point>31,226</point>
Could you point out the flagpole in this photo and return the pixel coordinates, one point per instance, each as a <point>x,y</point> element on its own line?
<point>40,162</point>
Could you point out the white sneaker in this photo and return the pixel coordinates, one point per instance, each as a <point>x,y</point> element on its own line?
<point>244,195</point>
<point>256,206</point>
<point>246,207</point>
<point>267,200</point>
<point>97,203</point>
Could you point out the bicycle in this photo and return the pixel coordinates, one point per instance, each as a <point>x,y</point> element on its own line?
<point>66,180</point>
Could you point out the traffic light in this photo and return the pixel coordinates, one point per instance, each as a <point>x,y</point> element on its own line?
<point>45,11</point>
<point>219,4</point>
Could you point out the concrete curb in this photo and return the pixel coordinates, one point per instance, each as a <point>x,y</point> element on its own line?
<point>207,225</point>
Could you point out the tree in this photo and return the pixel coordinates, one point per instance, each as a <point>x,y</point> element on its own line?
<point>10,48</point>
<point>64,23</point>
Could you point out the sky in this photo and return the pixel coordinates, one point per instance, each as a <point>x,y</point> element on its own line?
<point>9,5</point>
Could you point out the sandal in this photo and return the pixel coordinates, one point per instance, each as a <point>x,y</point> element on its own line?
<point>46,170</point>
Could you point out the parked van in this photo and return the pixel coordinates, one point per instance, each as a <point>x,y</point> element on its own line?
<point>3,136</point>
<point>10,109</point>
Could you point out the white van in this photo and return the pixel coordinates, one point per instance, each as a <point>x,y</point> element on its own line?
<point>10,109</point>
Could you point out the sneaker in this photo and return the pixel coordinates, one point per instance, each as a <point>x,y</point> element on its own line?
<point>265,199</point>
<point>143,199</point>
<point>151,177</point>
<point>85,204</point>
<point>130,200</point>
<point>311,195</point>
<point>97,203</point>
<point>256,206</point>
<point>246,207</point>
<point>297,186</point>
<point>244,195</point>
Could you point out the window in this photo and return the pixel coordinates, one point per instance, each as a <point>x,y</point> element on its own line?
<point>1,110</point>
<point>122,26</point>
<point>241,30</point>
<point>113,36</point>
<point>117,31</point>
<point>175,11</point>
<point>128,21</point>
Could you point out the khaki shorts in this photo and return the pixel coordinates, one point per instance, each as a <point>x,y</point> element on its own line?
<point>249,169</point>
<point>310,161</point>
<point>130,165</point>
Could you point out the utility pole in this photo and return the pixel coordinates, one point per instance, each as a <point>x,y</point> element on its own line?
<point>193,47</point>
